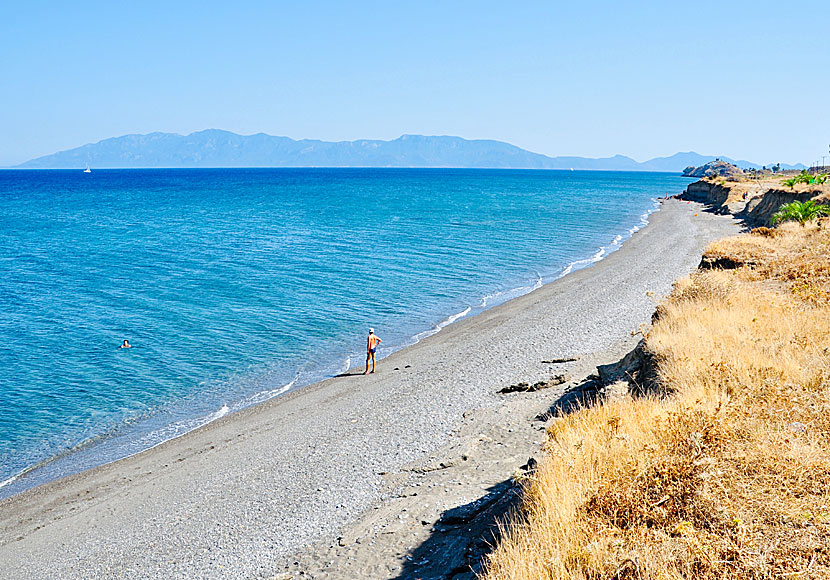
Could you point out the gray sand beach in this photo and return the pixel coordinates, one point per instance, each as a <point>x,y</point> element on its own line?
<point>294,483</point>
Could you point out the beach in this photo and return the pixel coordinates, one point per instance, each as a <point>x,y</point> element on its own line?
<point>244,496</point>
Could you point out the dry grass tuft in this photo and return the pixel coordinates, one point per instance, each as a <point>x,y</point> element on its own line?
<point>762,231</point>
<point>729,477</point>
<point>796,256</point>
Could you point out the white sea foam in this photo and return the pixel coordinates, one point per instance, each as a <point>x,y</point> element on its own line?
<point>616,243</point>
<point>12,479</point>
<point>347,364</point>
<point>441,325</point>
<point>173,430</point>
<point>450,319</point>
<point>579,264</point>
<point>487,298</point>
<point>513,292</point>
<point>179,428</point>
<point>505,295</point>
<point>217,415</point>
<point>263,396</point>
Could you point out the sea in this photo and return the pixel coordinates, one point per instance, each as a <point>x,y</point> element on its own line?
<point>235,286</point>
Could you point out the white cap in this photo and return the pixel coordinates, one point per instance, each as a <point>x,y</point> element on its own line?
<point>371,330</point>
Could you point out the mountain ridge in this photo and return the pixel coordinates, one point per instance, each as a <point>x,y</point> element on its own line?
<point>220,148</point>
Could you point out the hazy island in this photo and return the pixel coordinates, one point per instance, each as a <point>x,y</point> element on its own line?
<point>216,148</point>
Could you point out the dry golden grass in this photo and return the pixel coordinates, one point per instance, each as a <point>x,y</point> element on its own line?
<point>728,477</point>
<point>798,257</point>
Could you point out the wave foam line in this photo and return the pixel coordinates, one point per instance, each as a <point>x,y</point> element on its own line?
<point>450,319</point>
<point>616,243</point>
<point>513,292</point>
<point>12,479</point>
<point>264,395</point>
<point>346,366</point>
<point>579,264</point>
<point>441,325</point>
<point>168,432</point>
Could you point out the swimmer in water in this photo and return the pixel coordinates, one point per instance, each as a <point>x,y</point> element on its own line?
<point>371,346</point>
<point>125,344</point>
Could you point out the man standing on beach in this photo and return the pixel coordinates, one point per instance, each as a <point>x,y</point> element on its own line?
<point>371,345</point>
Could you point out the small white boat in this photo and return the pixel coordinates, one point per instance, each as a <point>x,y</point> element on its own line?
<point>87,170</point>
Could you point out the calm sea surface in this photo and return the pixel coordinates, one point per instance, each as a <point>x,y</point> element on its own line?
<point>236,285</point>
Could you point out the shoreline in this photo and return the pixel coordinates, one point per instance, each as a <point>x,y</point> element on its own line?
<point>15,485</point>
<point>253,487</point>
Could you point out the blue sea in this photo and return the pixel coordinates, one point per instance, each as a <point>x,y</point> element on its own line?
<point>237,285</point>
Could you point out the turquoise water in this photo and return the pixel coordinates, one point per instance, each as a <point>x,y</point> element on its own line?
<point>236,285</point>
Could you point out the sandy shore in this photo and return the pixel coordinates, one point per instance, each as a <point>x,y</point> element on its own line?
<point>251,494</point>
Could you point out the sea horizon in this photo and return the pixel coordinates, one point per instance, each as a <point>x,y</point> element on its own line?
<point>340,167</point>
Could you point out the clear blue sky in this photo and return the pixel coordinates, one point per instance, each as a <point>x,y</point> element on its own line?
<point>743,79</point>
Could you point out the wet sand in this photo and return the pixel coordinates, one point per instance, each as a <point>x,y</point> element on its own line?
<point>252,493</point>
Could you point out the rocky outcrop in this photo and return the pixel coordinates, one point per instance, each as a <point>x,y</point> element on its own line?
<point>715,168</point>
<point>707,192</point>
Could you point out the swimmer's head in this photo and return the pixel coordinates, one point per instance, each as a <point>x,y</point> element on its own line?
<point>371,331</point>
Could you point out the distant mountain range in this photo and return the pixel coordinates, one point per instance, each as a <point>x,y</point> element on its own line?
<point>216,148</point>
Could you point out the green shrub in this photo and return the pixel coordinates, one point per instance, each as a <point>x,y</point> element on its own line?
<point>800,211</point>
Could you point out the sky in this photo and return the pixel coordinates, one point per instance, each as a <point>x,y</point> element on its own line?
<point>747,80</point>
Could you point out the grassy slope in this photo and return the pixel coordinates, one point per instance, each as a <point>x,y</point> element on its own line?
<point>728,474</point>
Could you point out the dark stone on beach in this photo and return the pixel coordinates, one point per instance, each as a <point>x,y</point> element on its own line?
<point>527,388</point>
<point>530,465</point>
